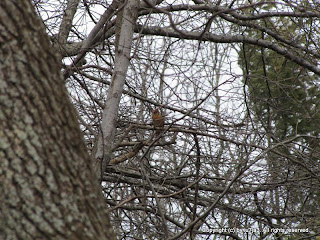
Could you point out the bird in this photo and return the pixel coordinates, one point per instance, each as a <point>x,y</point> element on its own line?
<point>158,120</point>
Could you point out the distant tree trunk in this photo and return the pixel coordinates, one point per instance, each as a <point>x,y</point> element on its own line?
<point>47,186</point>
<point>124,34</point>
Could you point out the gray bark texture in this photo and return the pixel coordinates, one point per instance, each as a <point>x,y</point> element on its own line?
<point>47,186</point>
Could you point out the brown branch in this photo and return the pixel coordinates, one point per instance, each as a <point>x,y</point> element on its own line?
<point>128,155</point>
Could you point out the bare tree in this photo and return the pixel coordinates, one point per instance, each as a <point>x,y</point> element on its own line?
<point>125,21</point>
<point>208,171</point>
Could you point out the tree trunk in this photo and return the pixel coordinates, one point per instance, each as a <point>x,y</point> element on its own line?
<point>48,190</point>
<point>110,113</point>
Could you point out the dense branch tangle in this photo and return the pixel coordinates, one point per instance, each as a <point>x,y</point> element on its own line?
<point>184,61</point>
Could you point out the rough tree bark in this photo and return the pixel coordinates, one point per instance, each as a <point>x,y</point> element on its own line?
<point>47,186</point>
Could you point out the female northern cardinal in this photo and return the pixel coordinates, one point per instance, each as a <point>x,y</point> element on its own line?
<point>158,120</point>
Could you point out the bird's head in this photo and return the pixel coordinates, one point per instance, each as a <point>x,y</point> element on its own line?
<point>156,111</point>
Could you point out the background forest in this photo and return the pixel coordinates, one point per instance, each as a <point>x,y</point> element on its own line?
<point>240,147</point>
<point>238,85</point>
